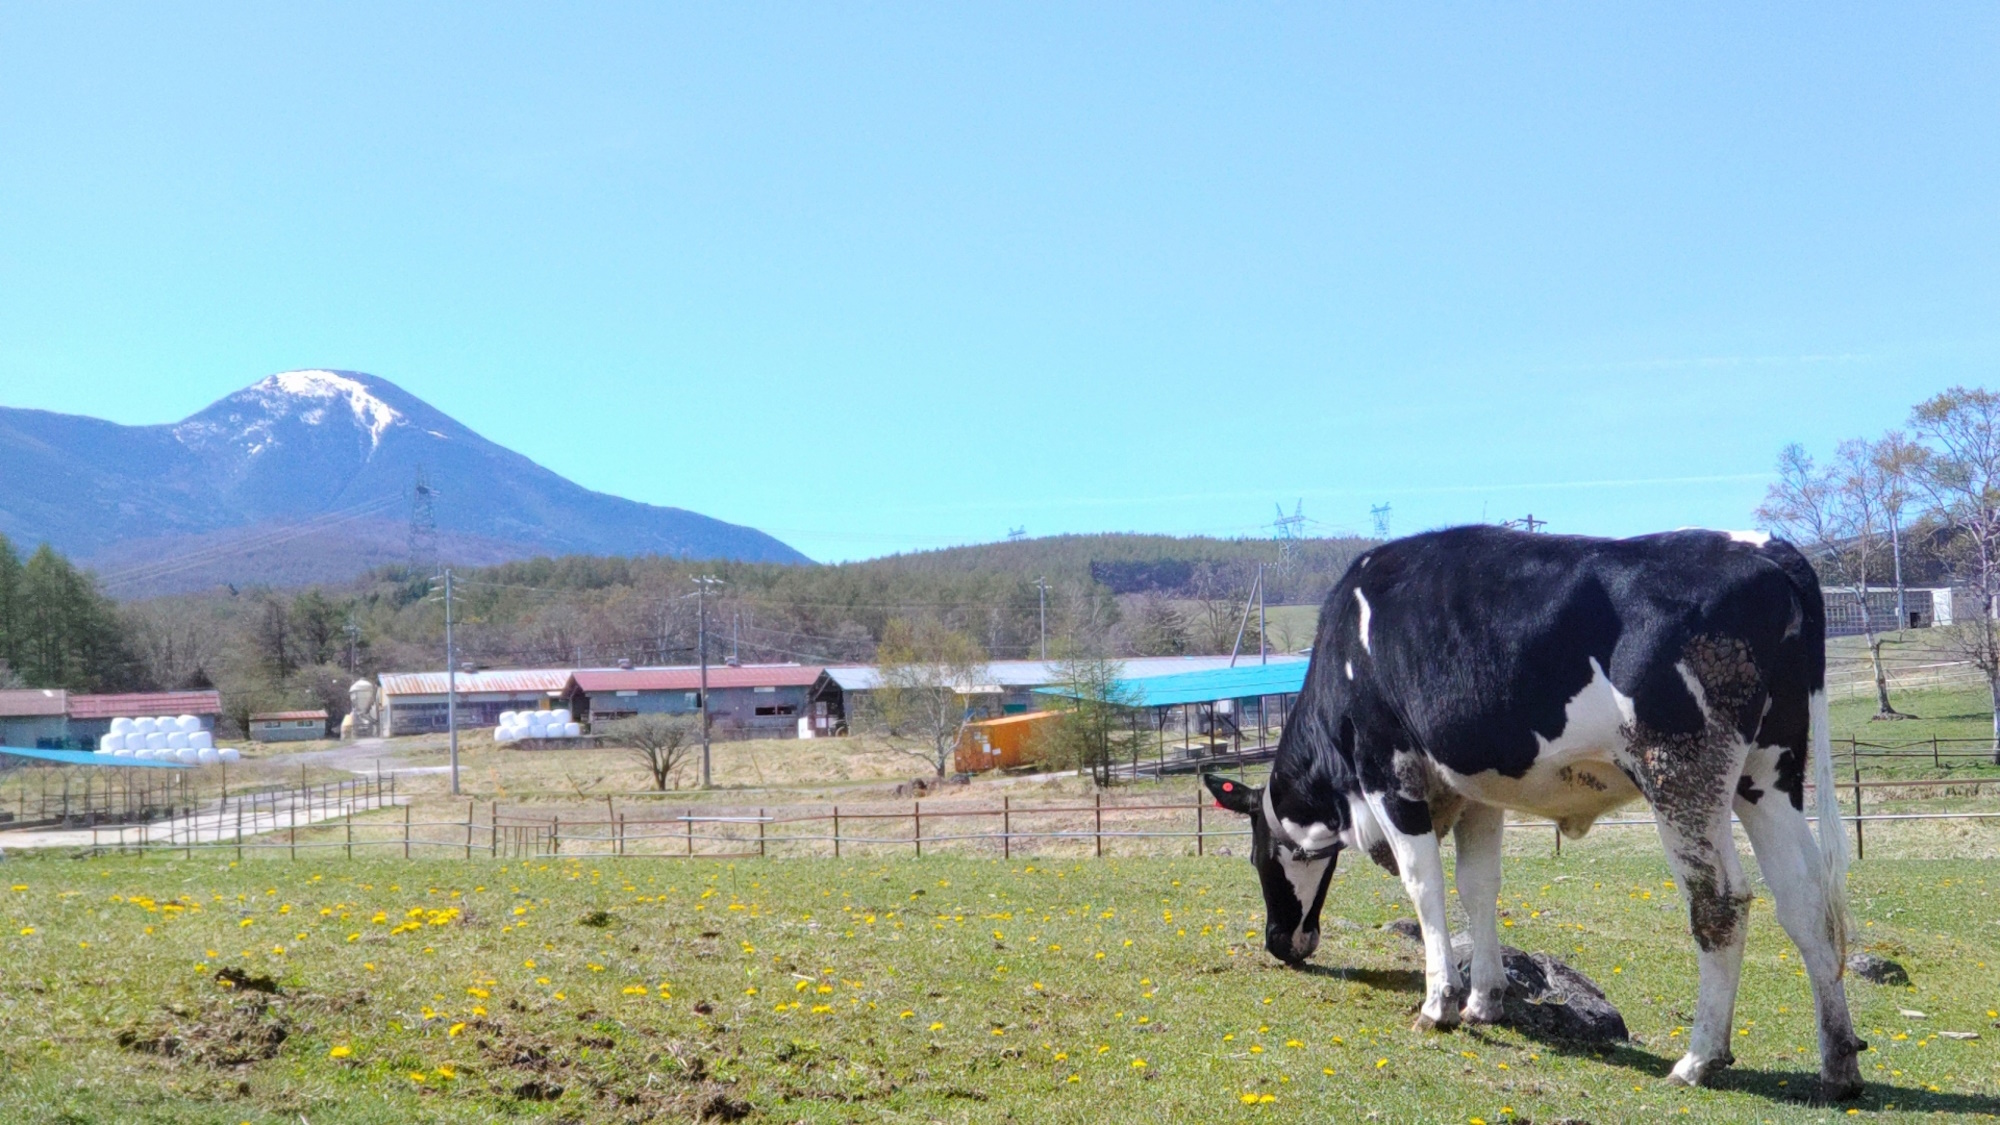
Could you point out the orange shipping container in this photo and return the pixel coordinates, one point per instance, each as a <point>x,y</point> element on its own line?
<point>1000,743</point>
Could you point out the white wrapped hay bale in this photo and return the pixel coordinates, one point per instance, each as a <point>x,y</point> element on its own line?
<point>156,740</point>
<point>121,726</point>
<point>111,743</point>
<point>228,754</point>
<point>572,730</point>
<point>201,740</point>
<point>206,756</point>
<point>188,723</point>
<point>186,756</point>
<point>177,740</point>
<point>560,715</point>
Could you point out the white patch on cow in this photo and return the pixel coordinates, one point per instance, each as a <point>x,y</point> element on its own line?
<point>1575,777</point>
<point>1693,685</point>
<point>1350,669</point>
<point>1362,630</point>
<point>1303,874</point>
<point>1364,562</point>
<point>1754,538</point>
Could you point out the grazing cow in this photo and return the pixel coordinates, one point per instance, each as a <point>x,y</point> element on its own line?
<point>1465,672</point>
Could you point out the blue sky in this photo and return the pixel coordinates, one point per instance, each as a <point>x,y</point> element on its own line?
<point>877,278</point>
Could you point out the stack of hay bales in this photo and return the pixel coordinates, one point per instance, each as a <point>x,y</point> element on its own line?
<point>518,725</point>
<point>164,739</point>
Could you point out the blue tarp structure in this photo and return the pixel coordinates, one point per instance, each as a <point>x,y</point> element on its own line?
<point>86,758</point>
<point>1245,681</point>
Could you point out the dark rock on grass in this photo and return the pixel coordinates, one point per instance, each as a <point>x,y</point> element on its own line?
<point>238,979</point>
<point>1877,968</point>
<point>596,919</point>
<point>1545,997</point>
<point>722,1107</point>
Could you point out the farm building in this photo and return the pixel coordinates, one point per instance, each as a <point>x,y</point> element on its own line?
<point>747,700</point>
<point>415,703</point>
<point>1224,707</point>
<point>288,726</point>
<point>997,744</point>
<point>1010,685</point>
<point>54,719</point>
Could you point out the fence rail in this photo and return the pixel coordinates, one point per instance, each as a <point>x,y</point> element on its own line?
<point>276,823</point>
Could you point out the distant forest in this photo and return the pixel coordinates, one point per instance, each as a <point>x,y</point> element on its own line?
<point>1122,595</point>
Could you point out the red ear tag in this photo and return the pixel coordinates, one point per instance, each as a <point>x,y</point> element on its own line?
<point>1229,787</point>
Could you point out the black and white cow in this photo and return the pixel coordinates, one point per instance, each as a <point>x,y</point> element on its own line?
<point>1465,672</point>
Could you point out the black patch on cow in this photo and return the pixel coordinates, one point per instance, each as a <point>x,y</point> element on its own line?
<point>1791,780</point>
<point>1747,790</point>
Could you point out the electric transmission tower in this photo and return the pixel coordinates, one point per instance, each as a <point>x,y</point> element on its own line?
<point>423,525</point>
<point>1288,530</point>
<point>1381,514</point>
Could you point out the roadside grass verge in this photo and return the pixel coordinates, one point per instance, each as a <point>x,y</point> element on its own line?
<point>962,989</point>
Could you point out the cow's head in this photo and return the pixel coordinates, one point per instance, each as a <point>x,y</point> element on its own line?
<point>1294,863</point>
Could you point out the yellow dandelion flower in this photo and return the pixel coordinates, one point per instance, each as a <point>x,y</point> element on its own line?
<point>452,1031</point>
<point>1138,1064</point>
<point>340,1052</point>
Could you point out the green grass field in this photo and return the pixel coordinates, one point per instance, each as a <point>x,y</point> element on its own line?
<point>939,990</point>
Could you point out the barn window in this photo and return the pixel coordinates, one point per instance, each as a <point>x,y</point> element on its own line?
<point>780,709</point>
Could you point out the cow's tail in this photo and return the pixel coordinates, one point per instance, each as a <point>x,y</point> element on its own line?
<point>1832,833</point>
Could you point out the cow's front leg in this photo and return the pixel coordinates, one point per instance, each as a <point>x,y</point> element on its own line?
<point>1422,865</point>
<point>1477,836</point>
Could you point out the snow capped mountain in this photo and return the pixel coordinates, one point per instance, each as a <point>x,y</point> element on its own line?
<point>248,419</point>
<point>307,476</point>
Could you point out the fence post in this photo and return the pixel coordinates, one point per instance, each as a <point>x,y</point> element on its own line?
<point>1099,832</point>
<point>493,826</point>
<point>760,833</point>
<point>1860,847</point>
<point>1006,828</point>
<point>1200,828</point>
<point>836,831</point>
<point>555,835</point>
<point>687,818</point>
<point>350,833</point>
<point>406,831</point>
<point>239,830</point>
<point>1937,762</point>
<point>470,807</point>
<point>917,827</point>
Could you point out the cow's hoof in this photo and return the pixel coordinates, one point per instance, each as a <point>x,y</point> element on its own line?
<point>1844,1089</point>
<point>1445,1019</point>
<point>1485,1007</point>
<point>1693,1071</point>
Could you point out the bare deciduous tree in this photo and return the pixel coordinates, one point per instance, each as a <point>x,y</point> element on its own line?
<point>1958,472</point>
<point>664,744</point>
<point>929,672</point>
<point>1838,515</point>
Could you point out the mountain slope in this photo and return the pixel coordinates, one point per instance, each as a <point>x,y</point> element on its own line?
<point>307,476</point>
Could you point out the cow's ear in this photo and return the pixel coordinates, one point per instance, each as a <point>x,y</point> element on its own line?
<point>1233,795</point>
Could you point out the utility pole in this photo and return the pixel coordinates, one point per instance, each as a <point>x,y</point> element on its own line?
<point>353,632</point>
<point>1896,552</point>
<point>735,627</point>
<point>450,682</point>
<point>1263,655</point>
<point>1042,587</point>
<point>701,586</point>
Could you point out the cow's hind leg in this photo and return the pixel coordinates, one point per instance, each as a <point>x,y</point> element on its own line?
<point>1790,861</point>
<point>1406,824</point>
<point>1704,861</point>
<point>1478,835</point>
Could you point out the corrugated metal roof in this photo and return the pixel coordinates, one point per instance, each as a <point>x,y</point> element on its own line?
<point>1240,682</point>
<point>516,680</point>
<point>138,704</point>
<point>283,716</point>
<point>720,676</point>
<point>23,702</point>
<point>86,758</point>
<point>1034,673</point>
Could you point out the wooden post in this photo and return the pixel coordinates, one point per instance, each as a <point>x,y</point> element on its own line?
<point>350,833</point>
<point>1100,825</point>
<point>239,830</point>
<point>493,828</point>
<point>836,831</point>
<point>917,827</point>
<point>1200,827</point>
<point>470,808</point>
<point>1860,847</point>
<point>1559,839</point>
<point>406,831</point>
<point>1006,828</point>
<point>760,832</point>
<point>687,818</point>
<point>1936,760</point>
<point>555,835</point>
